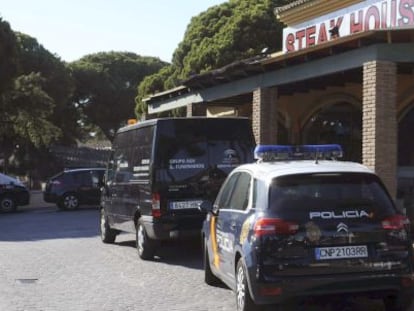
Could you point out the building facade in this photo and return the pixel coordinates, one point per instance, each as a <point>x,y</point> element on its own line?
<point>345,75</point>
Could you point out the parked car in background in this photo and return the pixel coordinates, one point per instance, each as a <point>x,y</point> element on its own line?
<point>12,193</point>
<point>71,188</point>
<point>298,225</point>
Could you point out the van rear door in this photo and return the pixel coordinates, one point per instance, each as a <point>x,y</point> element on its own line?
<point>194,156</point>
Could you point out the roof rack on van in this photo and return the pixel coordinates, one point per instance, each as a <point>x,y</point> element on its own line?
<point>270,153</point>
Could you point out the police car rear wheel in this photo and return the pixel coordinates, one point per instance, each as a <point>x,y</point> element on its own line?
<point>243,300</point>
<point>145,246</point>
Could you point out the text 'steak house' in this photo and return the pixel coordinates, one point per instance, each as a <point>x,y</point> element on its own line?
<point>345,75</point>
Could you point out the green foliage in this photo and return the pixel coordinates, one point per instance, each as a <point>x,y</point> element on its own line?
<point>234,30</point>
<point>150,85</point>
<point>35,107</point>
<point>32,107</point>
<point>57,84</point>
<point>106,86</point>
<point>7,55</point>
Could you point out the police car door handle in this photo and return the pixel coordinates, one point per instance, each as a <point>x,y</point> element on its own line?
<point>233,225</point>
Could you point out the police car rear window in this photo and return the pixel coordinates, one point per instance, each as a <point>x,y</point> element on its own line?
<point>294,194</point>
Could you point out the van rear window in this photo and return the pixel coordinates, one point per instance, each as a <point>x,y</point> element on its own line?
<point>187,148</point>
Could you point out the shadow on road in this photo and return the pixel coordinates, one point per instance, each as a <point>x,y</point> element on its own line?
<point>49,223</point>
<point>185,253</point>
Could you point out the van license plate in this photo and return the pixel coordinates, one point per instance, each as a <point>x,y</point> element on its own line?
<point>185,205</point>
<point>339,252</point>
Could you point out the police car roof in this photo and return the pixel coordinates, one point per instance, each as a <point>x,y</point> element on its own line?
<point>270,170</point>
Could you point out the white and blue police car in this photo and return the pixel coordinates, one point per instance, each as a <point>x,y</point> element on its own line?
<point>300,223</point>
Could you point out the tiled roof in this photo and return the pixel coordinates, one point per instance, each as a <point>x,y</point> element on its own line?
<point>291,5</point>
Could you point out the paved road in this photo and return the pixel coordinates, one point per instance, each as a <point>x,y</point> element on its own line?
<point>52,260</point>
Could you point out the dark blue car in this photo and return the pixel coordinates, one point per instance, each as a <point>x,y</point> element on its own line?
<point>12,194</point>
<point>71,188</point>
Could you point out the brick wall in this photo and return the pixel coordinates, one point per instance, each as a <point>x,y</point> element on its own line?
<point>379,117</point>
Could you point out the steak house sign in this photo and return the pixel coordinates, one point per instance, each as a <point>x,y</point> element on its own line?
<point>364,16</point>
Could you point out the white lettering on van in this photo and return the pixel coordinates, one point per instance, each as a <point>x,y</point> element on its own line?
<point>189,163</point>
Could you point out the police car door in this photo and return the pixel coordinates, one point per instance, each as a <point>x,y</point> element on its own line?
<point>232,203</point>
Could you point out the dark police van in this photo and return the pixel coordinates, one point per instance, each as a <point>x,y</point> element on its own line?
<point>161,170</point>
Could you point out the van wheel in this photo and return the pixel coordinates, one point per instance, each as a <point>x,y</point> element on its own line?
<point>397,303</point>
<point>145,246</point>
<point>69,201</point>
<point>108,235</point>
<point>243,300</point>
<point>209,277</point>
<point>7,204</point>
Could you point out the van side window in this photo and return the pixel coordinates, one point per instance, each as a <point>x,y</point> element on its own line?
<point>141,146</point>
<point>110,169</point>
<point>133,151</point>
<point>122,166</point>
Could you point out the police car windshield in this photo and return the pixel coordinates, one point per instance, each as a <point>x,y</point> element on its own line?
<point>293,194</point>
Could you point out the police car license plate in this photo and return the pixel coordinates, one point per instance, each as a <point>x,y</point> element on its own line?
<point>179,205</point>
<point>340,252</point>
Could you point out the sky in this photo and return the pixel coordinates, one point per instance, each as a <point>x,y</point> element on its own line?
<point>71,29</point>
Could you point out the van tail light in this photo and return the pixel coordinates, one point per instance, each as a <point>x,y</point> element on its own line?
<point>395,222</point>
<point>265,226</point>
<point>156,205</point>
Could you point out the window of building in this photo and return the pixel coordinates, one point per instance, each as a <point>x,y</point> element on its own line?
<point>405,139</point>
<point>340,123</point>
<point>405,185</point>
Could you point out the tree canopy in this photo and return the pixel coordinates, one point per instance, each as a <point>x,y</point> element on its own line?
<point>45,101</point>
<point>106,84</point>
<point>33,100</point>
<point>7,55</point>
<point>231,31</point>
<point>57,83</point>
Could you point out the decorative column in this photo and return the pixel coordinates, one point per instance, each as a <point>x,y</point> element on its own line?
<point>379,119</point>
<point>264,115</point>
<point>190,110</point>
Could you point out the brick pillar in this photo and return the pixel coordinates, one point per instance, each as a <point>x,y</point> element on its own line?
<point>379,118</point>
<point>264,115</point>
<point>189,110</point>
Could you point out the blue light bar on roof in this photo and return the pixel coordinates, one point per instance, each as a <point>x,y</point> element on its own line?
<point>331,151</point>
<point>269,153</point>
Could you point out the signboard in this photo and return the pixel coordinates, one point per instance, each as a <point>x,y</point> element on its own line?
<point>364,16</point>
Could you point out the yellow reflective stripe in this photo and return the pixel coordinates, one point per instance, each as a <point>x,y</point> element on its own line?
<point>216,258</point>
